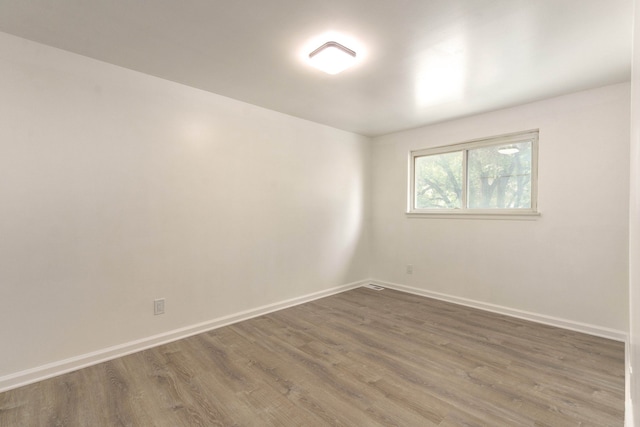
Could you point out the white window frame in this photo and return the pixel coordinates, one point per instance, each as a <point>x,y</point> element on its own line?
<point>464,211</point>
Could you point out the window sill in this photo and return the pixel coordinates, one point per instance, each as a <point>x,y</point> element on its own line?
<point>510,215</point>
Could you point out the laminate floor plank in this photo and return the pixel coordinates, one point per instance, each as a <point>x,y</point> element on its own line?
<point>344,378</point>
<point>314,375</point>
<point>359,358</point>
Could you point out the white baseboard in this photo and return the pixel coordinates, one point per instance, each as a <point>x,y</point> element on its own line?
<point>628,403</point>
<point>586,328</point>
<point>53,369</point>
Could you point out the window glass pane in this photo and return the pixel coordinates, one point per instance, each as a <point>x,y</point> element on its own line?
<point>499,177</point>
<point>438,181</point>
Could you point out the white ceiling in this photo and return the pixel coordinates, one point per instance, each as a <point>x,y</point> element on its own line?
<point>420,61</point>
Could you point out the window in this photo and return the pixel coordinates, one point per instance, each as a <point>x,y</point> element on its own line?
<point>487,177</point>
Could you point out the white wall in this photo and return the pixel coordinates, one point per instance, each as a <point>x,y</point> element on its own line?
<point>117,188</point>
<point>634,224</point>
<point>571,263</point>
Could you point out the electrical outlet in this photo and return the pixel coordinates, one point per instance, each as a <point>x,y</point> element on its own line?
<point>158,306</point>
<point>409,269</point>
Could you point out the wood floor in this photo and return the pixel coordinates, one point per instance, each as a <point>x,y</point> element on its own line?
<point>360,358</point>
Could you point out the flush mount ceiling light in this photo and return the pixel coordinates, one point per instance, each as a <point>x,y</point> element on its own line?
<point>332,57</point>
<point>509,149</point>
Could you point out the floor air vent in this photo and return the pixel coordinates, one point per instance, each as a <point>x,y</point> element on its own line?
<point>374,287</point>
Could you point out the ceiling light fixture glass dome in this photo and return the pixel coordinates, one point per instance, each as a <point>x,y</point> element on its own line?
<point>332,57</point>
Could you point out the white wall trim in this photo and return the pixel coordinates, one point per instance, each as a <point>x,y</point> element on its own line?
<point>586,328</point>
<point>53,369</point>
<point>628,404</point>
